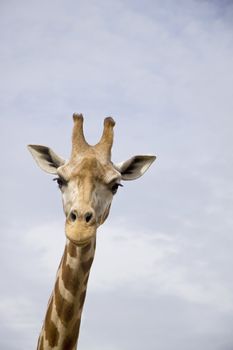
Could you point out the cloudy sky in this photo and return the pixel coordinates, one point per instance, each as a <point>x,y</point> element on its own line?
<point>162,276</point>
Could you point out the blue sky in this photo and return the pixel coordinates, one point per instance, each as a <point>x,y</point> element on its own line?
<point>163,69</point>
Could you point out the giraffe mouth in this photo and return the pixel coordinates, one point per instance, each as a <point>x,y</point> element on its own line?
<point>80,233</point>
<point>81,243</point>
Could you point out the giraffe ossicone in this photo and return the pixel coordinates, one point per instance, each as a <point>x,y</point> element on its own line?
<point>88,181</point>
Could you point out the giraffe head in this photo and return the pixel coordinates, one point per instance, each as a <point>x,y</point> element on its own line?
<point>89,179</point>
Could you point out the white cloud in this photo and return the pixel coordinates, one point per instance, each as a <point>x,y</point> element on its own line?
<point>140,261</point>
<point>15,313</point>
<point>47,241</point>
<point>157,262</point>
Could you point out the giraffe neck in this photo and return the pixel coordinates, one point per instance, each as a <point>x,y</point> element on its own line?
<point>63,317</point>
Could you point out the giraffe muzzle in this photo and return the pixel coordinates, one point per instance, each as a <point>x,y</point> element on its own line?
<point>80,228</point>
<point>88,216</point>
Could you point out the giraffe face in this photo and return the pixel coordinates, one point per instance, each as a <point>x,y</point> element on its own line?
<point>89,180</point>
<point>87,186</point>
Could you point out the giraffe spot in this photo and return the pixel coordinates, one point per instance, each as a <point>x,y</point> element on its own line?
<point>70,341</point>
<point>51,332</point>
<point>82,299</point>
<point>65,309</point>
<point>72,250</point>
<point>70,279</point>
<point>86,265</point>
<point>85,281</point>
<point>86,248</point>
<point>64,256</point>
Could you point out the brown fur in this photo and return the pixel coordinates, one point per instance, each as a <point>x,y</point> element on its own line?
<point>68,312</point>
<point>70,340</point>
<point>86,248</point>
<point>65,309</point>
<point>72,250</point>
<point>88,168</point>
<point>85,281</point>
<point>82,299</point>
<point>86,265</point>
<point>51,332</point>
<point>70,278</point>
<point>64,258</point>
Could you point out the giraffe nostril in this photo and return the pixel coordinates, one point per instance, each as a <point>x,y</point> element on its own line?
<point>88,216</point>
<point>73,215</point>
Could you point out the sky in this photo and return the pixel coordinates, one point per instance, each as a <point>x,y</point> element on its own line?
<point>162,275</point>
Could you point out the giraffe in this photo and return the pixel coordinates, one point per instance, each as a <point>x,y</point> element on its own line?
<point>88,181</point>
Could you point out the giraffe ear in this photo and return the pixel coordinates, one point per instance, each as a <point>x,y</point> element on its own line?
<point>135,167</point>
<point>47,160</point>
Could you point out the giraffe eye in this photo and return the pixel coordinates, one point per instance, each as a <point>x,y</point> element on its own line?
<point>61,182</point>
<point>114,187</point>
